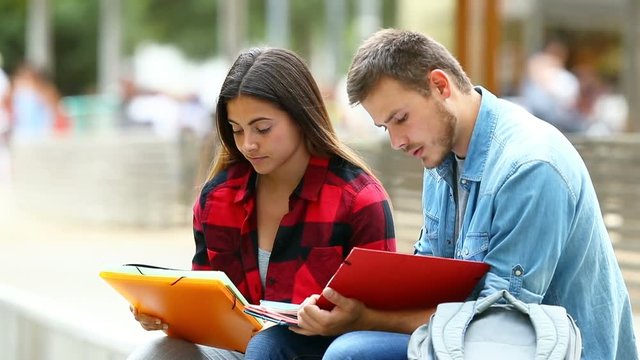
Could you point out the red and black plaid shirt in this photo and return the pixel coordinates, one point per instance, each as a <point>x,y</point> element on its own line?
<point>336,207</point>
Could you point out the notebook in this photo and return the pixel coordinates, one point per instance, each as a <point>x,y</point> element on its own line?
<point>389,281</point>
<point>396,281</point>
<point>203,307</point>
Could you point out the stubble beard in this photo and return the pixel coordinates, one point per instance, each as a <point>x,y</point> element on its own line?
<point>443,146</point>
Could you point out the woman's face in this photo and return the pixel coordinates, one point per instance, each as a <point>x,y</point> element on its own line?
<point>266,135</point>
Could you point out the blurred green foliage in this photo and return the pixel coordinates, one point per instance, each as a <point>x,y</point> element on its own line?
<point>12,32</point>
<point>190,25</point>
<point>75,33</point>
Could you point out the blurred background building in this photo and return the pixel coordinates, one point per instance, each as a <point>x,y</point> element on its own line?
<point>106,128</point>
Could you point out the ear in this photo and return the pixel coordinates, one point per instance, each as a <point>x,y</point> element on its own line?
<point>439,82</point>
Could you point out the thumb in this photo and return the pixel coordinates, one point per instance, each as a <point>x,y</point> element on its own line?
<point>334,297</point>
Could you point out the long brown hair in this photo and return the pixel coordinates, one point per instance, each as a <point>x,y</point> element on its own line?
<point>281,77</point>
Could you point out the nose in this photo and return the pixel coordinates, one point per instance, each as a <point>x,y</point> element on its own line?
<point>398,142</point>
<point>249,144</point>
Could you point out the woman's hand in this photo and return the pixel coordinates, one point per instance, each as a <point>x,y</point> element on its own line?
<point>148,322</point>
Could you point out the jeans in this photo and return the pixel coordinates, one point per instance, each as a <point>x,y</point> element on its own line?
<point>279,343</point>
<point>368,345</point>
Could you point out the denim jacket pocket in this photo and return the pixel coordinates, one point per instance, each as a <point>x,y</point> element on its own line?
<point>431,226</point>
<point>474,247</point>
<point>428,242</point>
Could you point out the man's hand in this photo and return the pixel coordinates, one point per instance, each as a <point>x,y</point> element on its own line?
<point>344,317</point>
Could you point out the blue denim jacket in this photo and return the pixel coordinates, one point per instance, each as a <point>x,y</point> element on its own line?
<point>532,215</point>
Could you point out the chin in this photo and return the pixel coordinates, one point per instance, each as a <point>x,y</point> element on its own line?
<point>261,171</point>
<point>429,164</point>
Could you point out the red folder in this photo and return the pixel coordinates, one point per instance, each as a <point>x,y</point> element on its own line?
<point>394,281</point>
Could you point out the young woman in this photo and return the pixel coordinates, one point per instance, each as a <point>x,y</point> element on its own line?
<point>284,204</point>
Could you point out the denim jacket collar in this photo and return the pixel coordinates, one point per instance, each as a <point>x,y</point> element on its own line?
<point>479,144</point>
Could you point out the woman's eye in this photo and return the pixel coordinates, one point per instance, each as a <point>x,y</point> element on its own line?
<point>402,119</point>
<point>236,131</point>
<point>263,130</point>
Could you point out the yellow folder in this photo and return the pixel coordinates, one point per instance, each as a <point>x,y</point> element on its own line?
<point>203,307</point>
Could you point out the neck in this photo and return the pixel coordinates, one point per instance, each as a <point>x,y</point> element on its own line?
<point>469,105</point>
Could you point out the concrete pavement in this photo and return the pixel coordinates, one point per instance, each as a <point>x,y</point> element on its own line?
<point>53,267</point>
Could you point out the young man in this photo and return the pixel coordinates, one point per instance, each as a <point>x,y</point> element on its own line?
<point>500,186</point>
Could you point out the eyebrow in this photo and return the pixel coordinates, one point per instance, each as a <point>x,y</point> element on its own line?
<point>391,116</point>
<point>252,121</point>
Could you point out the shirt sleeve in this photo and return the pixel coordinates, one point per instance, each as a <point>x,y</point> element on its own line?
<point>201,258</point>
<point>372,220</point>
<point>534,212</point>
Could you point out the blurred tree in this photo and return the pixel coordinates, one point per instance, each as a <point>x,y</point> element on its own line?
<point>75,34</point>
<point>191,28</point>
<point>12,32</point>
<point>307,22</point>
<point>256,20</point>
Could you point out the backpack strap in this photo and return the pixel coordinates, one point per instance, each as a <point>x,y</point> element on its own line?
<point>552,330</point>
<point>550,324</point>
<point>447,328</point>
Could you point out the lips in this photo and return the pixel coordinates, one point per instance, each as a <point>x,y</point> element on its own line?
<point>417,152</point>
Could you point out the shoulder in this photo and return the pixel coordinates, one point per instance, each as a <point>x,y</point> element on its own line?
<point>521,137</point>
<point>363,188</point>
<point>230,181</point>
<point>522,142</point>
<point>343,173</point>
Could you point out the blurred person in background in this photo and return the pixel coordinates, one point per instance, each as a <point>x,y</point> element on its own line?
<point>197,139</point>
<point>353,121</point>
<point>5,125</point>
<point>154,111</point>
<point>284,203</point>
<point>36,108</point>
<point>550,91</point>
<point>500,186</point>
<point>603,107</point>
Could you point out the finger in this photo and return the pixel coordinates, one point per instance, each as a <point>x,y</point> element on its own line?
<point>148,318</point>
<point>149,322</point>
<point>301,331</point>
<point>336,298</point>
<point>311,300</point>
<point>154,325</point>
<point>310,319</point>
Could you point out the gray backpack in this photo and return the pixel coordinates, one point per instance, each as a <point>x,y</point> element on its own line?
<point>487,329</point>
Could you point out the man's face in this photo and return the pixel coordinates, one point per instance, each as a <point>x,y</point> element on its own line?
<point>419,125</point>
